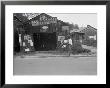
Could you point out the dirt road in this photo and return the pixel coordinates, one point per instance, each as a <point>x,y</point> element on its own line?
<point>55,65</point>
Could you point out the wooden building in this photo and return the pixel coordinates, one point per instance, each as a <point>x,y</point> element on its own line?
<point>90,37</point>
<point>46,31</point>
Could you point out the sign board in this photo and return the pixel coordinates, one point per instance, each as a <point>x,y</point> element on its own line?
<point>93,37</point>
<point>61,38</point>
<point>44,29</point>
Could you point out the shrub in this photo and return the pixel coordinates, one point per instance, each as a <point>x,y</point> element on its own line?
<point>77,48</point>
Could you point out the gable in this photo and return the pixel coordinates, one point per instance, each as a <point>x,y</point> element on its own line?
<point>90,31</point>
<point>43,19</point>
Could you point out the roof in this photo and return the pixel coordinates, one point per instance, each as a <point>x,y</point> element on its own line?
<point>48,16</point>
<point>89,30</point>
<point>77,30</point>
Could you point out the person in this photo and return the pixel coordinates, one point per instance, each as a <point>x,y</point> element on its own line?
<point>69,45</point>
<point>64,44</point>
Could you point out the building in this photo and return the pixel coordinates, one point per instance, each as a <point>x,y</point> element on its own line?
<point>90,36</point>
<point>18,30</point>
<point>77,35</point>
<point>45,33</point>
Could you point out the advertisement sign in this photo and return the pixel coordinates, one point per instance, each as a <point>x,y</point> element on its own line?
<point>44,21</point>
<point>61,38</point>
<point>44,29</point>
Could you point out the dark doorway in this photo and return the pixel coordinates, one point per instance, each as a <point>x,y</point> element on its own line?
<point>45,41</point>
<point>16,42</point>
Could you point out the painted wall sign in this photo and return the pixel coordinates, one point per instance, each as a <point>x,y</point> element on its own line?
<point>44,21</point>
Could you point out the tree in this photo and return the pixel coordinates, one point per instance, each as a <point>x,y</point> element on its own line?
<point>25,16</point>
<point>71,26</point>
<point>76,26</point>
<point>21,17</point>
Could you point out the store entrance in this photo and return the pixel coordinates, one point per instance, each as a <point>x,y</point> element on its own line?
<point>45,41</point>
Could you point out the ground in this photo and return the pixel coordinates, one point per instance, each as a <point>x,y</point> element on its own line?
<point>46,63</point>
<point>93,49</point>
<point>59,65</point>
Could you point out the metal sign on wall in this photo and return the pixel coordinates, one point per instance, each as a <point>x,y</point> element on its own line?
<point>44,29</point>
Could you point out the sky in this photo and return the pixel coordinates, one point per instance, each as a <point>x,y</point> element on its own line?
<point>78,18</point>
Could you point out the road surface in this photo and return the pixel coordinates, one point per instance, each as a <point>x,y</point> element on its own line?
<point>72,65</point>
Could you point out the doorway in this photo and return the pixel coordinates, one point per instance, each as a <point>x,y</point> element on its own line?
<point>45,41</point>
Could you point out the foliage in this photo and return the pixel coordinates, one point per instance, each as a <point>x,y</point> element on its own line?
<point>21,17</point>
<point>77,48</point>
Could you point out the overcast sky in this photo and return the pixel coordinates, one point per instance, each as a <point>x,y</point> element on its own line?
<point>81,19</point>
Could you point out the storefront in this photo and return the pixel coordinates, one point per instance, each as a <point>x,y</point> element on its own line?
<point>46,32</point>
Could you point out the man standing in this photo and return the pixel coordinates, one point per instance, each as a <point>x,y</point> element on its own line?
<point>69,45</point>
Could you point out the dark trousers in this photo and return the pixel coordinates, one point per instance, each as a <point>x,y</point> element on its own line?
<point>69,49</point>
